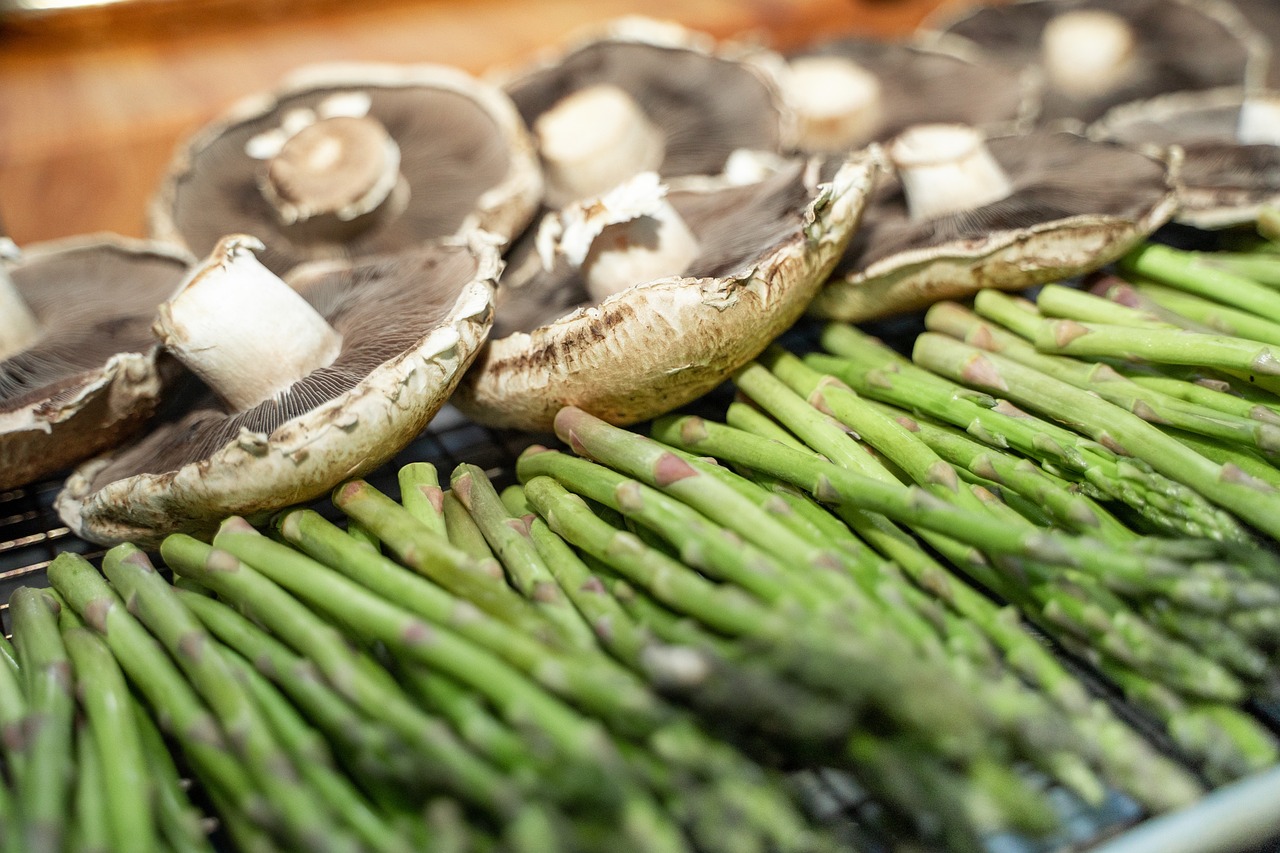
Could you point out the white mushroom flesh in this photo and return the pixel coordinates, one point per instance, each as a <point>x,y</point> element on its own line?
<point>1087,52</point>
<point>838,103</point>
<point>628,236</point>
<point>594,139</point>
<point>1259,122</point>
<point>19,327</point>
<point>241,329</point>
<point>946,168</point>
<point>341,167</point>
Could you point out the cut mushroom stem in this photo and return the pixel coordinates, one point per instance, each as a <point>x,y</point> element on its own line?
<point>838,103</point>
<point>594,139</point>
<point>946,168</point>
<point>330,177</point>
<point>19,327</point>
<point>241,329</point>
<point>1259,122</point>
<point>1087,52</point>
<point>628,236</point>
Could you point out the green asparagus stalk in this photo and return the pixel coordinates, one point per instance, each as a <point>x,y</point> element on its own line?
<point>576,740</point>
<point>1069,303</point>
<point>44,786</point>
<point>1222,319</point>
<point>585,680</point>
<point>155,676</point>
<point>13,711</point>
<point>450,764</point>
<point>1185,271</point>
<point>180,825</point>
<point>464,534</point>
<point>1269,224</point>
<point>115,741</point>
<point>1100,378</point>
<point>512,543</point>
<point>421,495</point>
<point>877,372</point>
<point>1249,499</point>
<point>88,830</point>
<point>372,750</point>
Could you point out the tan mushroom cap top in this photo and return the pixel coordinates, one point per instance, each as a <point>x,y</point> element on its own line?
<point>1226,180</point>
<point>348,160</point>
<point>410,324</point>
<point>766,247</point>
<point>946,81</point>
<point>1158,46</point>
<point>705,99</point>
<point>90,379</point>
<point>1073,205</point>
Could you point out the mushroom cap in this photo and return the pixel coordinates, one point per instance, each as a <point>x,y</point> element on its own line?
<point>92,378</point>
<point>482,173</point>
<point>1076,205</point>
<point>708,98</point>
<point>1263,16</point>
<point>947,81</point>
<point>1178,45</point>
<point>403,353</point>
<point>1224,182</point>
<point>659,344</point>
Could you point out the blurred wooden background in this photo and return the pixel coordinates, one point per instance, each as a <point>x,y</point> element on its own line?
<point>93,102</point>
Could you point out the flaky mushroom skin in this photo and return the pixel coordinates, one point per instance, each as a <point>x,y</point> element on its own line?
<point>1004,259</point>
<point>306,456</point>
<point>1224,183</point>
<point>504,208</point>
<point>49,430</point>
<point>661,344</point>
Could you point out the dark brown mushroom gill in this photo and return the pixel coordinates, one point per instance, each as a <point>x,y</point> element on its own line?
<point>1218,170</point>
<point>936,84</point>
<point>382,307</point>
<point>93,301</point>
<point>1178,46</point>
<point>705,106</point>
<point>733,225</point>
<point>451,152</point>
<point>1055,176</point>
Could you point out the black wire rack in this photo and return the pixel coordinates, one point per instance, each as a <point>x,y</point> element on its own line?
<point>32,535</point>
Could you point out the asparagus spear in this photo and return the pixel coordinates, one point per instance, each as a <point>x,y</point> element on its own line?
<point>203,662</point>
<point>88,828</point>
<point>511,542</point>
<point>115,741</point>
<point>1227,486</point>
<point>1185,271</point>
<point>451,765</point>
<point>421,495</point>
<point>180,824</point>
<point>44,784</point>
<point>1213,315</point>
<point>877,372</point>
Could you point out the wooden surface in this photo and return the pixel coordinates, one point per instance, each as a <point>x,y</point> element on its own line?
<point>93,104</point>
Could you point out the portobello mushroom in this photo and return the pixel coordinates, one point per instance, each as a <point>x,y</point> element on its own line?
<point>642,95</point>
<point>302,389</point>
<point>1096,54</point>
<point>78,362</point>
<point>852,91</point>
<point>1231,149</point>
<point>1263,16</point>
<point>350,160</point>
<point>701,280</point>
<point>958,213</point>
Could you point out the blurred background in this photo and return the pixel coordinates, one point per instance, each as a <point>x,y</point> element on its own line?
<point>94,97</point>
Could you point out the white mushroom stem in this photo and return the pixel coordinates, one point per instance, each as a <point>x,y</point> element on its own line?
<point>333,172</point>
<point>1087,52</point>
<point>19,327</point>
<point>628,236</point>
<point>1259,122</point>
<point>593,140</point>
<point>946,168</point>
<point>837,102</point>
<point>241,329</point>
